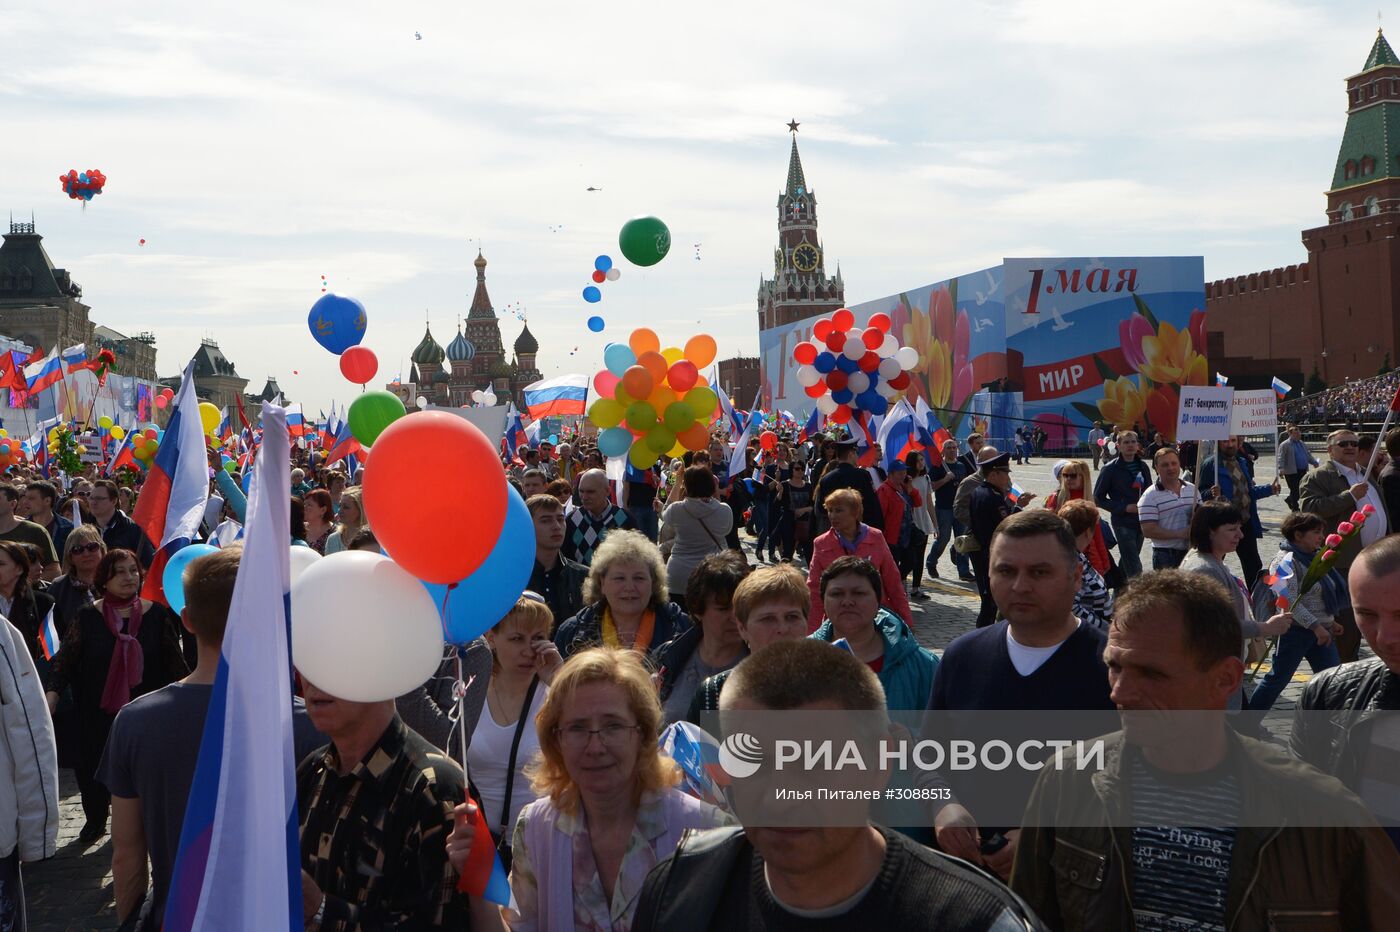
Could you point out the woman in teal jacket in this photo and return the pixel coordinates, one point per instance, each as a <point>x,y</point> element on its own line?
<point>851,591</point>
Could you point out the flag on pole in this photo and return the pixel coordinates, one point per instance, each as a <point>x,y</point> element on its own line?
<point>515,433</point>
<point>48,637</point>
<point>565,394</point>
<point>121,456</point>
<point>47,372</point>
<point>932,433</point>
<point>484,875</point>
<point>296,422</point>
<point>75,358</point>
<point>344,445</point>
<point>809,430</point>
<point>898,434</point>
<point>1281,388</point>
<point>1221,381</point>
<point>172,501</point>
<point>238,865</point>
<point>738,459</point>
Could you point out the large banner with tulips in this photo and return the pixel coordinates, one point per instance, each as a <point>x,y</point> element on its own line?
<point>1058,343</point>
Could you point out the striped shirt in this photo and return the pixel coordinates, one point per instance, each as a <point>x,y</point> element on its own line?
<point>1181,871</point>
<point>1170,510</point>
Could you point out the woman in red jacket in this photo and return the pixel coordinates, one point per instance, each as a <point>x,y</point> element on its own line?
<point>1074,484</point>
<point>850,537</point>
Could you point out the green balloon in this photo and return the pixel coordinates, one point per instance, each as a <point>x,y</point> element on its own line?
<point>371,413</point>
<point>644,240</point>
<point>661,438</point>
<point>641,416</point>
<point>701,401</point>
<point>231,467</point>
<point>678,416</point>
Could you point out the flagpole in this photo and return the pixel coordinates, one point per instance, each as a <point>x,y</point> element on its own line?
<point>1380,438</point>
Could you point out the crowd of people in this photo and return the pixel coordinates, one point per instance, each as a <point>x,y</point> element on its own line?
<point>1351,403</point>
<point>645,609</point>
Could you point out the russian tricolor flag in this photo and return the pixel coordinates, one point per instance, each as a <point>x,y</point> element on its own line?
<point>809,430</point>
<point>515,434</point>
<point>1281,388</point>
<point>899,433</point>
<point>239,863</point>
<point>342,446</point>
<point>932,433</point>
<point>1221,381</point>
<point>296,423</point>
<point>172,500</point>
<point>48,636</point>
<point>44,373</point>
<point>484,876</point>
<point>75,358</point>
<point>566,394</point>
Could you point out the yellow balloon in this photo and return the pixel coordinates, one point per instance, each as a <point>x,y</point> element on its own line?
<point>118,432</point>
<point>104,422</point>
<point>4,432</point>
<point>81,449</point>
<point>53,433</point>
<point>673,355</point>
<point>677,451</point>
<point>606,412</point>
<point>641,455</point>
<point>210,417</point>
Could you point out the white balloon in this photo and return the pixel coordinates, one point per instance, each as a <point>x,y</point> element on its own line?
<point>908,357</point>
<point>854,348</point>
<point>363,629</point>
<point>302,558</point>
<point>889,368</point>
<point>858,382</point>
<point>613,274</point>
<point>808,376</point>
<point>478,395</point>
<point>422,401</point>
<point>826,404</point>
<point>885,391</point>
<point>889,347</point>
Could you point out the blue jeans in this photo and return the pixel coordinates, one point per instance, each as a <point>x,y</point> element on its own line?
<point>647,521</point>
<point>1167,558</point>
<point>948,528</point>
<point>1129,548</point>
<point>766,534</point>
<point>1294,645</point>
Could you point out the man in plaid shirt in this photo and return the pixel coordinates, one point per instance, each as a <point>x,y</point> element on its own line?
<point>589,523</point>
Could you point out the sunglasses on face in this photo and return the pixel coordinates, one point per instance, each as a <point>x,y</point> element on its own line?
<point>85,548</point>
<point>1348,443</point>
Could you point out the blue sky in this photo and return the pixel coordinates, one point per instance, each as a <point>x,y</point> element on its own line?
<point>258,146</point>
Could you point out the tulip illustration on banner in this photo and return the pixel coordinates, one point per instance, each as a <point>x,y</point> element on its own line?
<point>653,401</point>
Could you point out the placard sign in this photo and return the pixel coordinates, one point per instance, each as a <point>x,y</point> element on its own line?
<point>1254,413</point>
<point>1205,413</point>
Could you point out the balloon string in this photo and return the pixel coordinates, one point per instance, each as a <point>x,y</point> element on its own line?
<point>459,692</point>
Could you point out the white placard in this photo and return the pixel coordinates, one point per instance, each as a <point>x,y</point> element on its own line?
<point>490,421</point>
<point>1205,413</point>
<point>1254,413</point>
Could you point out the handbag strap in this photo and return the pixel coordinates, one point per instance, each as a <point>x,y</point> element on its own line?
<point>701,521</point>
<point>514,749</point>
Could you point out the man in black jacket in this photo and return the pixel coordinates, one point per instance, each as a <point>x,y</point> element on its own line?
<point>1357,743</point>
<point>555,576</point>
<point>1120,484</point>
<point>847,475</point>
<point>117,529</point>
<point>853,877</point>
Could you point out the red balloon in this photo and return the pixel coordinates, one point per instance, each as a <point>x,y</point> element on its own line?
<point>683,375</point>
<point>605,383</point>
<point>900,382</point>
<point>768,440</point>
<point>805,353</point>
<point>872,338</point>
<point>359,364</point>
<point>821,329</point>
<point>836,380</point>
<point>599,277</point>
<point>841,415</point>
<point>423,533</point>
<point>843,319</point>
<point>880,322</point>
<point>836,340</point>
<point>869,362</point>
<point>816,391</point>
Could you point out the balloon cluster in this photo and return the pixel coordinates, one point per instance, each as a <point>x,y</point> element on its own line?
<point>82,186</point>
<point>653,400</point>
<point>165,397</point>
<point>145,444</point>
<point>603,271</point>
<point>10,451</point>
<point>64,450</point>
<point>857,370</point>
<point>486,399</point>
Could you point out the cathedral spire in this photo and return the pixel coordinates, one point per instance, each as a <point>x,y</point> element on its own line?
<point>481,301</point>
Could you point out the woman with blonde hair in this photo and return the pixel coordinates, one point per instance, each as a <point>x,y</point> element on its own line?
<point>523,663</point>
<point>609,809</point>
<point>627,601</point>
<point>352,518</point>
<point>1073,476</point>
<point>82,551</point>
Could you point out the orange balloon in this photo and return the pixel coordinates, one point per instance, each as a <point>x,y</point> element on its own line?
<point>701,350</point>
<point>654,363</point>
<point>701,380</point>
<point>694,437</point>
<point>644,340</point>
<point>663,397</point>
<point>637,382</point>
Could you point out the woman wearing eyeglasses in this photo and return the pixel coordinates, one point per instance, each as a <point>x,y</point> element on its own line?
<point>118,648</point>
<point>609,809</point>
<point>523,663</point>
<point>82,551</point>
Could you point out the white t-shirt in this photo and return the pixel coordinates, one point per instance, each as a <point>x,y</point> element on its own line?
<point>1375,527</point>
<point>488,754</point>
<point>1027,660</point>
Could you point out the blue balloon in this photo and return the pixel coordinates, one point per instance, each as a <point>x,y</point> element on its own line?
<point>825,363</point>
<point>846,364</point>
<point>602,263</point>
<point>476,603</point>
<point>247,482</point>
<point>618,358</point>
<point>873,402</point>
<point>172,580</point>
<point>554,439</point>
<point>592,295</point>
<point>595,323</point>
<point>337,322</point>
<point>615,441</point>
<point>842,396</point>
